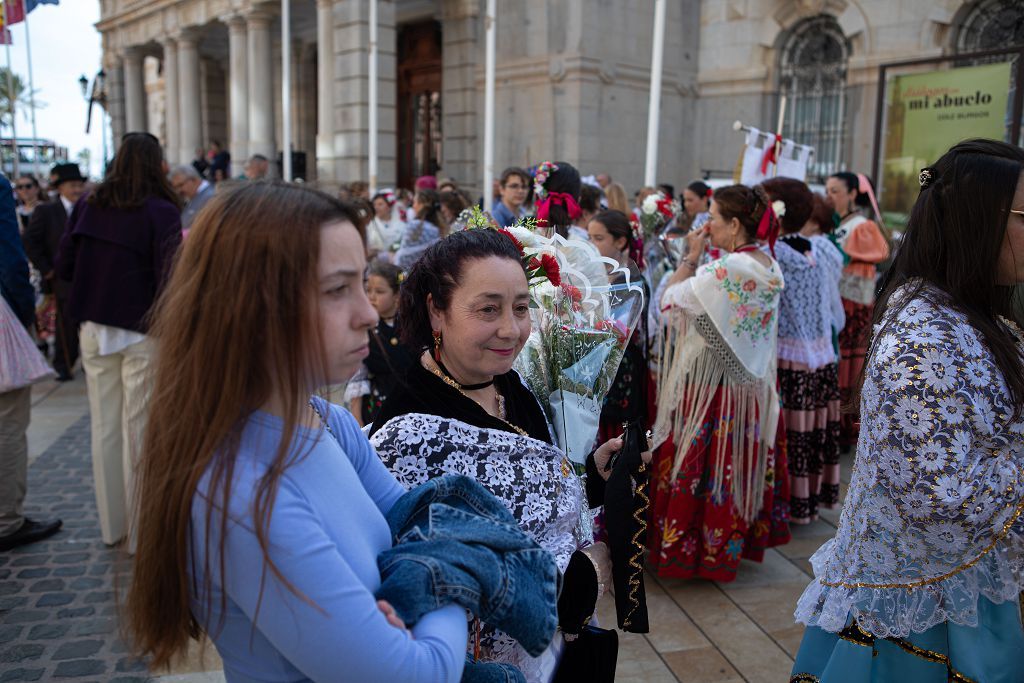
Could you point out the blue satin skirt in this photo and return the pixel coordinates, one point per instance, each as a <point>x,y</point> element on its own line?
<point>991,652</point>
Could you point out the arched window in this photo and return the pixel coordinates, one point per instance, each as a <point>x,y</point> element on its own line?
<point>813,79</point>
<point>991,24</point>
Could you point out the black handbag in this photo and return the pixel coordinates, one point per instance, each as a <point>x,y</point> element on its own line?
<point>590,653</point>
<point>590,657</point>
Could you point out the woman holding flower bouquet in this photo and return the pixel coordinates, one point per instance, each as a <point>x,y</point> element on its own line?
<point>463,410</point>
<point>720,487</point>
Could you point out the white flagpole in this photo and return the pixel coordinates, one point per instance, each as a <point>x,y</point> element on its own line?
<point>489,106</point>
<point>654,107</point>
<point>372,104</point>
<point>286,86</point>
<point>10,90</point>
<point>32,101</point>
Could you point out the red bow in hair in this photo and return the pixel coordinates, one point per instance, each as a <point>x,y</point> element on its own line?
<point>769,155</point>
<point>768,228</point>
<point>558,199</point>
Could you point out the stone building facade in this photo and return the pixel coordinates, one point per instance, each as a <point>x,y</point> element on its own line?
<point>572,78</point>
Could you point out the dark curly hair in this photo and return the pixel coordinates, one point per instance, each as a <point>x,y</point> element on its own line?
<point>438,273</point>
<point>797,197</point>
<point>745,204</point>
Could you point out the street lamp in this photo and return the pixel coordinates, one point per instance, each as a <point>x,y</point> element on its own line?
<point>97,95</point>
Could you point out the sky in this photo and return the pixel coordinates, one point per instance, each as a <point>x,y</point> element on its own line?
<point>65,45</point>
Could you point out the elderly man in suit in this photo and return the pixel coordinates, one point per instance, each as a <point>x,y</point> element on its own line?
<point>41,238</point>
<point>193,189</point>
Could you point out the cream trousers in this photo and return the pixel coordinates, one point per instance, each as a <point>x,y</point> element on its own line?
<point>118,399</point>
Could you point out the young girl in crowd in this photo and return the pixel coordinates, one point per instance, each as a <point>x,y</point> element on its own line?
<point>862,241</point>
<point>389,358</point>
<point>427,227</point>
<point>612,233</point>
<point>556,196</point>
<point>261,511</point>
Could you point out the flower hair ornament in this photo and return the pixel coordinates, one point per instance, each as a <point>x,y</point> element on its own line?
<point>925,177</point>
<point>779,207</point>
<point>540,177</point>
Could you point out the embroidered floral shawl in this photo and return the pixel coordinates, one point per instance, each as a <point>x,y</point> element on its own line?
<point>932,522</point>
<point>721,329</point>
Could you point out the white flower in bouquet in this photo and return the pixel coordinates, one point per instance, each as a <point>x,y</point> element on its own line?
<point>650,203</point>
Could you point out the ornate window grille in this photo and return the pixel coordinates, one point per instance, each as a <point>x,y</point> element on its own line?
<point>813,79</point>
<point>991,24</point>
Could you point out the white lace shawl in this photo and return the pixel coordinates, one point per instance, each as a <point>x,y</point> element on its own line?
<point>530,477</point>
<point>721,330</point>
<point>932,520</point>
<point>810,308</point>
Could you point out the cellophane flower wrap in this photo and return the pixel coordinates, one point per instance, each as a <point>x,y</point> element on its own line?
<point>583,312</point>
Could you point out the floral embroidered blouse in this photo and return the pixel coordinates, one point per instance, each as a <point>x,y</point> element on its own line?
<point>931,523</point>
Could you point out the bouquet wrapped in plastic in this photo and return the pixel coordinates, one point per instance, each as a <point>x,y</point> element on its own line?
<point>584,308</point>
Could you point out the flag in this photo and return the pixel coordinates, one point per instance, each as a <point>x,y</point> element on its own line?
<point>15,11</point>
<point>32,4</point>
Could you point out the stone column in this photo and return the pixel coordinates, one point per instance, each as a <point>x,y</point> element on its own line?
<point>134,90</point>
<point>461,52</point>
<point>238,87</point>
<point>325,89</point>
<point>351,91</point>
<point>261,85</point>
<point>189,97</point>
<point>172,144</point>
<point>114,91</point>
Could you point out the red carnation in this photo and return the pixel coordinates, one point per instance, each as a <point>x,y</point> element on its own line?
<point>515,241</point>
<point>665,207</point>
<point>533,263</point>
<point>572,292</point>
<point>551,269</point>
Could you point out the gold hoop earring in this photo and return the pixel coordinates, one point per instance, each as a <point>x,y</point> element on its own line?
<point>437,346</point>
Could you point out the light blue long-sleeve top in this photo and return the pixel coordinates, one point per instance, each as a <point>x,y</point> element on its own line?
<point>325,533</point>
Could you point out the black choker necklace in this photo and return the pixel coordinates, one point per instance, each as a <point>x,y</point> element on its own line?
<point>465,387</point>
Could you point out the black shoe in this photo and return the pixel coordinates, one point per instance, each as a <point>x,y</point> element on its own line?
<point>64,377</point>
<point>30,532</point>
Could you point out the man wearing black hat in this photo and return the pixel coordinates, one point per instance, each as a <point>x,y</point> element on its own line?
<point>42,236</point>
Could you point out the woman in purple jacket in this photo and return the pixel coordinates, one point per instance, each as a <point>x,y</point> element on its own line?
<point>116,253</point>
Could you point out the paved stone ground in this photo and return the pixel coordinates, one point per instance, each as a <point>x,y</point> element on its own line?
<point>58,615</point>
<point>57,605</point>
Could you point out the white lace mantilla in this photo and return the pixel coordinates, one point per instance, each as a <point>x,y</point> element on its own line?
<point>810,308</point>
<point>529,476</point>
<point>932,522</point>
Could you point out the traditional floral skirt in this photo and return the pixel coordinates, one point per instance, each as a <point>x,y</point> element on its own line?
<point>810,407</point>
<point>853,342</point>
<point>695,534</point>
<point>991,652</point>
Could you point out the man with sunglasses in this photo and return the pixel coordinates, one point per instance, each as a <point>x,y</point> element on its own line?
<point>42,236</point>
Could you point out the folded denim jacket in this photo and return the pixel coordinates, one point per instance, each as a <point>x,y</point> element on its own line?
<point>454,542</point>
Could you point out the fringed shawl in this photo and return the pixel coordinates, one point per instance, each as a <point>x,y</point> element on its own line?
<point>721,330</point>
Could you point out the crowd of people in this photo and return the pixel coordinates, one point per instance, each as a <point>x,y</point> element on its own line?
<point>274,521</point>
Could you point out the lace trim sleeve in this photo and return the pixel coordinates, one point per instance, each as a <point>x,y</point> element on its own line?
<point>932,522</point>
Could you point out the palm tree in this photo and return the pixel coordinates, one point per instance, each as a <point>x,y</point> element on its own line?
<point>14,96</point>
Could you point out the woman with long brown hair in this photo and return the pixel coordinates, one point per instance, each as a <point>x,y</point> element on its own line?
<point>261,511</point>
<point>116,253</point>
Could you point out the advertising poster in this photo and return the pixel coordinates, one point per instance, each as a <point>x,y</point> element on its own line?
<point>929,113</point>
